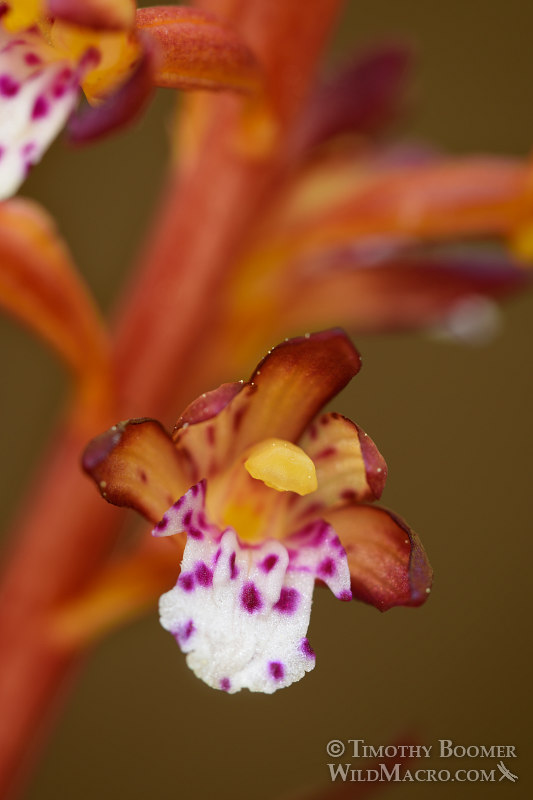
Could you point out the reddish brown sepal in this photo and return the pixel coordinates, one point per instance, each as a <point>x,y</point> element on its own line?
<point>288,388</point>
<point>402,291</point>
<point>40,286</point>
<point>110,15</point>
<point>118,110</point>
<point>135,464</point>
<point>295,380</point>
<point>349,467</point>
<point>209,404</point>
<point>387,562</point>
<point>364,97</point>
<point>194,51</point>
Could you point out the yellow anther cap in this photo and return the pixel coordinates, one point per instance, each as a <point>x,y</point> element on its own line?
<point>282,466</point>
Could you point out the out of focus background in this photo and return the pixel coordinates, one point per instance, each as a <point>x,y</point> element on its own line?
<point>454,423</point>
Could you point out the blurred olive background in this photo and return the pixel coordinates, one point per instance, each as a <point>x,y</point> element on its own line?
<point>454,423</point>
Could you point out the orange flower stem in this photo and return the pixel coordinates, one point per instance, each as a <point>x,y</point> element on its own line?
<point>65,533</point>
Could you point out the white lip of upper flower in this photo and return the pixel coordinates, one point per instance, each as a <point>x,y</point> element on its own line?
<point>241,612</point>
<point>38,92</point>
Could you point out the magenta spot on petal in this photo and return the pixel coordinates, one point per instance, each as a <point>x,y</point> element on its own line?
<point>9,87</point>
<point>204,575</point>
<point>288,601</point>
<point>59,90</point>
<point>237,419</point>
<point>225,684</point>
<point>277,670</point>
<point>40,108</point>
<point>250,598</point>
<point>313,508</point>
<point>178,503</point>
<point>91,58</point>
<point>186,581</point>
<point>326,452</point>
<point>185,632</point>
<point>162,524</point>
<point>232,567</point>
<point>327,567</point>
<point>346,595</point>
<point>65,75</point>
<point>195,533</point>
<point>2,151</point>
<point>348,495</point>
<point>187,519</point>
<point>306,648</point>
<point>32,59</point>
<point>269,563</point>
<point>217,555</point>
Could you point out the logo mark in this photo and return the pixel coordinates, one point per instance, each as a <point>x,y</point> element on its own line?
<point>506,773</point>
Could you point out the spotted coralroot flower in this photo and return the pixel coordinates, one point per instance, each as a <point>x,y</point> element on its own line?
<point>271,499</point>
<point>38,91</point>
<point>116,54</point>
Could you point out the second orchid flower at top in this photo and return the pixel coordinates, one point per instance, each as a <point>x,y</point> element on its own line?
<point>116,54</point>
<point>270,498</point>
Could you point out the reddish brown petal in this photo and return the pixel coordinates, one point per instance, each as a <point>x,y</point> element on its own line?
<point>135,464</point>
<point>119,109</point>
<point>39,286</point>
<point>288,389</point>
<point>209,404</point>
<point>205,433</point>
<point>387,562</point>
<point>196,52</point>
<point>406,291</point>
<point>349,467</point>
<point>294,381</point>
<point>364,97</point>
<point>97,14</point>
<point>453,197</point>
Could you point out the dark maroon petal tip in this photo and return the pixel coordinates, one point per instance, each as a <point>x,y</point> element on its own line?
<point>118,110</point>
<point>375,464</point>
<point>209,404</point>
<point>109,16</point>
<point>365,97</point>
<point>419,571</point>
<point>101,446</point>
<point>388,565</point>
<point>135,464</point>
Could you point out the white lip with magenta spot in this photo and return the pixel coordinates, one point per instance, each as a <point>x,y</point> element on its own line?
<point>241,612</point>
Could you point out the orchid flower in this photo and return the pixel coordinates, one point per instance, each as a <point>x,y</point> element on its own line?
<point>271,499</point>
<point>50,49</point>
